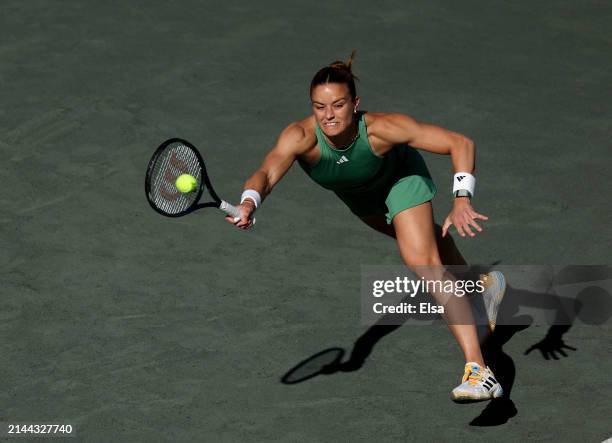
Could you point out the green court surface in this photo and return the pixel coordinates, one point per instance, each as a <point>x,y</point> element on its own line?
<point>135,327</point>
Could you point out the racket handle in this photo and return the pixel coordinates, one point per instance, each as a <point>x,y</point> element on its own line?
<point>230,210</point>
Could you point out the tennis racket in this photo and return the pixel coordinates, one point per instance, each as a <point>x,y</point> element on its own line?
<point>173,158</point>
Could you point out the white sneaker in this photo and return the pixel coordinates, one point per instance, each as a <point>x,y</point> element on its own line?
<point>478,384</point>
<point>495,287</point>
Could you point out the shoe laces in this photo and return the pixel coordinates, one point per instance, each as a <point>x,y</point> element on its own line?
<point>472,374</point>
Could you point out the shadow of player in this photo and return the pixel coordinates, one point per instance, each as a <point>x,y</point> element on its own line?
<point>592,305</point>
<point>510,322</point>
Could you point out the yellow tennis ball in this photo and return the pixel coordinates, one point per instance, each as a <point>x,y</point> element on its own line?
<point>186,183</point>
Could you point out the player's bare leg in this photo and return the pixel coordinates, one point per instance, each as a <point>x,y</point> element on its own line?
<point>418,247</point>
<point>421,243</point>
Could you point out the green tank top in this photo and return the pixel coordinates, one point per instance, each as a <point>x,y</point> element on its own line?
<point>357,169</point>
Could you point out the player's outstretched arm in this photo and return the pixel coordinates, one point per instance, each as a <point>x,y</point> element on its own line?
<point>290,144</point>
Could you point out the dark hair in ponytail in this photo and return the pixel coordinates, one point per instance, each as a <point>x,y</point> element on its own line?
<point>337,72</point>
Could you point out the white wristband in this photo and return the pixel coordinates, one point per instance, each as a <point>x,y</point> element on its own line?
<point>253,195</point>
<point>464,180</point>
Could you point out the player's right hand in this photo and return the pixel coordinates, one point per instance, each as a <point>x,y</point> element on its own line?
<point>247,209</point>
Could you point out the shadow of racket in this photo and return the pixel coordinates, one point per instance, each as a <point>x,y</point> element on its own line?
<point>319,363</point>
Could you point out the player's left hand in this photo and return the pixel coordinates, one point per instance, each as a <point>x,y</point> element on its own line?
<point>463,217</point>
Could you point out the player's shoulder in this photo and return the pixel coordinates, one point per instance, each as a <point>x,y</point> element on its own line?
<point>386,118</point>
<point>300,135</point>
<point>304,128</point>
<point>383,122</point>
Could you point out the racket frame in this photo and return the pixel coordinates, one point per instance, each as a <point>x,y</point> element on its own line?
<point>205,181</point>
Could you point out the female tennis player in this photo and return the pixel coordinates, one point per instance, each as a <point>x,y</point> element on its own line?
<point>369,160</point>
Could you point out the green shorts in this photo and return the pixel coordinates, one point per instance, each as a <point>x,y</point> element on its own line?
<point>407,193</point>
<point>409,185</point>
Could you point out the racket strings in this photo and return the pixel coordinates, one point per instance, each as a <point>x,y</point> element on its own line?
<point>175,160</point>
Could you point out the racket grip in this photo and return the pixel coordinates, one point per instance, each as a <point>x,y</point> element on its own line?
<point>231,210</point>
